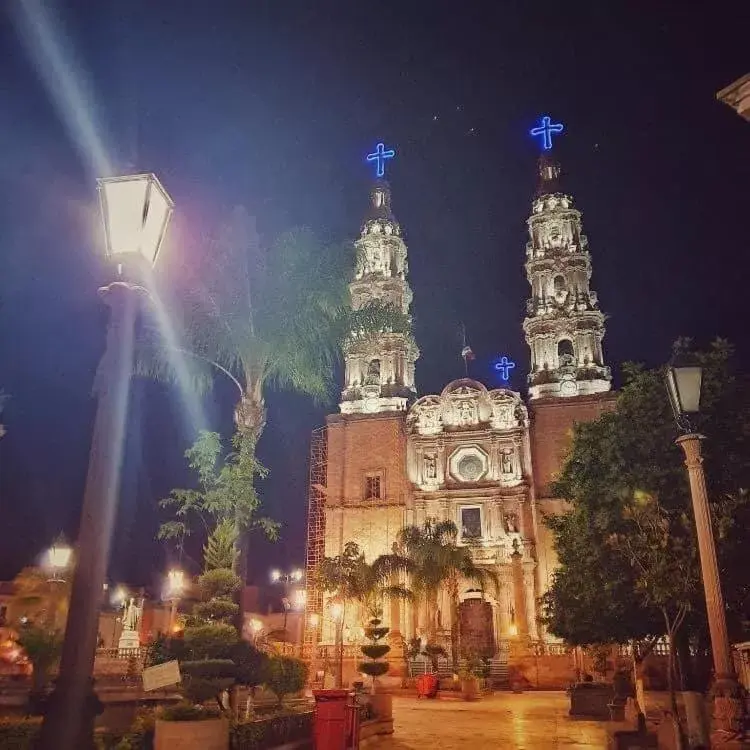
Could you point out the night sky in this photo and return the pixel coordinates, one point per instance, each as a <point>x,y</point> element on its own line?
<point>273,105</point>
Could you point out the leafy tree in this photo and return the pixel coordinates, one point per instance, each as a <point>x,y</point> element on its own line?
<point>352,579</point>
<point>43,647</point>
<point>225,499</point>
<point>285,675</point>
<point>659,546</point>
<point>437,560</point>
<point>375,651</point>
<point>597,594</point>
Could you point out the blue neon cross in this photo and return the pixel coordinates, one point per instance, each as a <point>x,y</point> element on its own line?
<point>380,155</point>
<point>504,366</point>
<point>545,130</point>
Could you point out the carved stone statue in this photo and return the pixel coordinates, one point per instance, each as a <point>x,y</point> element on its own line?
<point>465,412</point>
<point>430,466</point>
<point>511,523</point>
<point>506,462</point>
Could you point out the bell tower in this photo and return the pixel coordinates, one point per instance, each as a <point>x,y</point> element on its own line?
<point>564,326</point>
<point>380,351</point>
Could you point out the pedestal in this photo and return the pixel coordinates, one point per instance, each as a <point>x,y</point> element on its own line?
<point>129,642</point>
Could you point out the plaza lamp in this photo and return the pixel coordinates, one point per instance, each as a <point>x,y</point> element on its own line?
<point>175,586</point>
<point>684,378</point>
<point>57,560</point>
<point>286,580</point>
<point>136,211</point>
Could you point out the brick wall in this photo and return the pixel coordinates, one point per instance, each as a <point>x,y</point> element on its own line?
<point>552,421</point>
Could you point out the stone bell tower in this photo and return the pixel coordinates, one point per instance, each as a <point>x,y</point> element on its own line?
<point>380,351</point>
<point>564,326</point>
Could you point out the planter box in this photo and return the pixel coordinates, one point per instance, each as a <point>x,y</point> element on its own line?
<point>591,699</point>
<point>470,690</point>
<point>382,705</point>
<point>371,731</point>
<point>212,734</point>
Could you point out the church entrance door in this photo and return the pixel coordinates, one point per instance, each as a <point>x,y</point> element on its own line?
<point>477,632</point>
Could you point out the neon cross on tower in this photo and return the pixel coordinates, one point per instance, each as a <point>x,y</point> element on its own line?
<point>379,156</point>
<point>504,366</point>
<point>545,130</point>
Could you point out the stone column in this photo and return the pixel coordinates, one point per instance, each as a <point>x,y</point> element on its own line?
<point>505,599</point>
<point>519,597</point>
<point>728,707</point>
<point>530,591</point>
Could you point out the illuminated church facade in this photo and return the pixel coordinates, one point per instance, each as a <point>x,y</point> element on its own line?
<point>482,458</point>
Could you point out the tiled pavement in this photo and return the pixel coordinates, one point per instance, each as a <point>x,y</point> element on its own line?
<point>529,721</point>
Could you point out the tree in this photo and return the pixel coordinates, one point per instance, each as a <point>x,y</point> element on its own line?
<point>352,579</point>
<point>285,675</point>
<point>597,595</point>
<point>437,560</point>
<point>40,601</point>
<point>659,547</point>
<point>43,647</point>
<point>226,497</point>
<point>264,317</point>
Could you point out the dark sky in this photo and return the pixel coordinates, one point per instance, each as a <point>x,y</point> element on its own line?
<point>273,105</point>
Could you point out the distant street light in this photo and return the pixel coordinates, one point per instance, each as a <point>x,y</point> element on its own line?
<point>293,576</point>
<point>175,590</point>
<point>136,212</point>
<point>57,559</point>
<point>684,386</point>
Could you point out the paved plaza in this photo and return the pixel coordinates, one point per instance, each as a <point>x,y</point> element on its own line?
<point>530,721</point>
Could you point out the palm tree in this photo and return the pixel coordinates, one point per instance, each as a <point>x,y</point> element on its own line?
<point>263,318</point>
<point>352,579</point>
<point>438,561</point>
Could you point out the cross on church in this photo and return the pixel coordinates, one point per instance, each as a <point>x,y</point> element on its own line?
<point>504,366</point>
<point>379,156</point>
<point>545,130</point>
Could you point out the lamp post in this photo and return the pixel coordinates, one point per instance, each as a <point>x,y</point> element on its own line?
<point>136,212</point>
<point>684,387</point>
<point>175,590</point>
<point>57,562</point>
<point>286,579</point>
<point>337,613</point>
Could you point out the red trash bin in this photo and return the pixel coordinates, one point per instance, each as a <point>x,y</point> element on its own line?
<point>332,720</point>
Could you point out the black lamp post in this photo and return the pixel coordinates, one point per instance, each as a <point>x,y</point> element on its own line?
<point>286,579</point>
<point>136,212</point>
<point>684,379</point>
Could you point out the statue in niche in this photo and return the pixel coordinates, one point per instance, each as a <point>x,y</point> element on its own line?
<point>465,412</point>
<point>506,462</point>
<point>511,523</point>
<point>430,466</point>
<point>373,373</point>
<point>430,419</point>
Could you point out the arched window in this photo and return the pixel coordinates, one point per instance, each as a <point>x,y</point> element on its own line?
<point>558,284</point>
<point>565,353</point>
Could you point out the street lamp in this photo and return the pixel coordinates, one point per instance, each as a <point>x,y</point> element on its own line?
<point>57,559</point>
<point>293,576</point>
<point>136,211</point>
<point>175,590</point>
<point>684,379</point>
<point>337,613</point>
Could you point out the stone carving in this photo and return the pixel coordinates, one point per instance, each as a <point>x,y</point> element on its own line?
<point>470,468</point>
<point>466,411</point>
<point>511,523</point>
<point>430,466</point>
<point>506,462</point>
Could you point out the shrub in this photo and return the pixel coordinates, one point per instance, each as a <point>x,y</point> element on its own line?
<point>205,679</point>
<point>210,641</point>
<point>375,651</point>
<point>187,712</point>
<point>19,734</point>
<point>268,733</point>
<point>220,583</point>
<point>250,664</point>
<point>218,609</point>
<point>285,675</point>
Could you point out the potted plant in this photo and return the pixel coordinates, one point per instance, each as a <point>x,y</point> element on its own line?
<point>470,678</point>
<point>427,684</point>
<point>382,705</point>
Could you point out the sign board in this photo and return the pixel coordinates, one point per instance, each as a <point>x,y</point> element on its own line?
<point>160,676</point>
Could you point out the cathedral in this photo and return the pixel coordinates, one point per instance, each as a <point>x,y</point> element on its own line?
<point>482,458</point>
